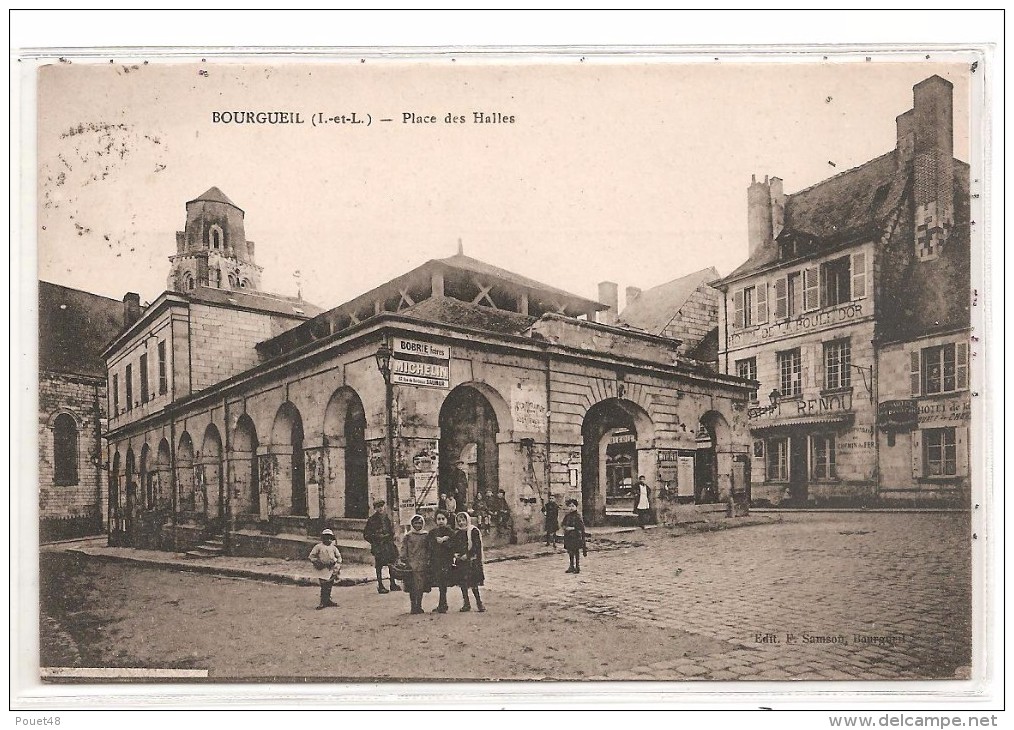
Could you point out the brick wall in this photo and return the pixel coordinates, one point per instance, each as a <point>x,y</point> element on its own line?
<point>84,399</point>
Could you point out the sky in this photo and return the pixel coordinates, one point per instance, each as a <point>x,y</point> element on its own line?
<point>628,170</point>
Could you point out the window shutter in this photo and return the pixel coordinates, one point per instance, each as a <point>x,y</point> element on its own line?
<point>916,378</point>
<point>916,454</point>
<point>858,275</point>
<point>781,298</point>
<point>811,288</point>
<point>762,303</point>
<point>961,450</point>
<point>819,365</point>
<point>737,305</point>
<point>961,364</point>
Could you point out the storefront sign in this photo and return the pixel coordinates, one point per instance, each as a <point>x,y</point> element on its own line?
<point>685,476</point>
<point>897,415</point>
<point>813,321</point>
<point>953,409</point>
<point>420,363</point>
<point>622,438</point>
<point>805,407</point>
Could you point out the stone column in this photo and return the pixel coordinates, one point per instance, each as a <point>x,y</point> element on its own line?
<point>241,466</point>
<point>315,469</point>
<point>281,482</point>
<point>334,477</point>
<point>267,466</point>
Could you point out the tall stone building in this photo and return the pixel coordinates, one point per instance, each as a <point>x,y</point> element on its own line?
<point>852,313</point>
<point>74,326</point>
<point>247,422</point>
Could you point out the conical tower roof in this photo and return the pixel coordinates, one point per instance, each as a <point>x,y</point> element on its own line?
<point>214,195</point>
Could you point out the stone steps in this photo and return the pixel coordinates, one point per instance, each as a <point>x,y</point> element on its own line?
<point>213,547</point>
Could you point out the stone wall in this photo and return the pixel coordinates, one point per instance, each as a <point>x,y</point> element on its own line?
<point>69,510</point>
<point>696,318</point>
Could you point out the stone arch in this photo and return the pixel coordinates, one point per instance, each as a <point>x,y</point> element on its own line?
<point>471,418</point>
<point>243,466</point>
<point>185,473</point>
<point>289,493</point>
<point>605,419</point>
<point>131,502</point>
<point>211,490</point>
<point>115,495</point>
<point>346,489</point>
<point>144,473</point>
<point>718,461</point>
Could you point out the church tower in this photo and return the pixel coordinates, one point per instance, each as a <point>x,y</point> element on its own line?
<point>212,250</point>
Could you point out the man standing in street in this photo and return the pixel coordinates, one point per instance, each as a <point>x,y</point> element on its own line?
<point>642,502</point>
<point>379,533</point>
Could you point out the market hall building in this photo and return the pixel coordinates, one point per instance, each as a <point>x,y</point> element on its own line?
<point>852,311</point>
<point>245,422</point>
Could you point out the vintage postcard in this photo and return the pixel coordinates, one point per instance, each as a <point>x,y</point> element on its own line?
<point>556,367</point>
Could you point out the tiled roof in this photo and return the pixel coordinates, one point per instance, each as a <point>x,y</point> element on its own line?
<point>850,204</point>
<point>455,311</point>
<point>261,301</point>
<point>461,261</point>
<point>655,308</point>
<point>74,328</point>
<point>214,195</point>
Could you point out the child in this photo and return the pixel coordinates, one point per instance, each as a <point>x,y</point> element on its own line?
<point>415,554</point>
<point>379,533</point>
<point>468,571</point>
<point>481,507</point>
<point>327,564</point>
<point>552,512</point>
<point>441,558</point>
<point>574,537</point>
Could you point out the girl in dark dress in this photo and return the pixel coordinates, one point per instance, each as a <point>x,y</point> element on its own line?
<point>441,558</point>
<point>573,536</point>
<point>466,545</point>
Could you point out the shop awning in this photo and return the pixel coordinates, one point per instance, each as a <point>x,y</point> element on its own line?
<point>835,420</point>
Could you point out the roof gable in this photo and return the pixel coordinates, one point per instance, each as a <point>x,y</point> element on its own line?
<point>655,308</point>
<point>74,327</point>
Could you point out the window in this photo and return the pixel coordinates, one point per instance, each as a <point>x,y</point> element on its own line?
<point>64,450</point>
<point>837,364</point>
<point>215,234</point>
<point>778,460</point>
<point>748,369</point>
<point>836,280</point>
<point>116,394</point>
<point>940,369</point>
<point>163,375</point>
<point>143,368</point>
<point>858,275</point>
<point>743,307</point>
<point>811,289</point>
<point>790,373</point>
<point>188,282</point>
<point>794,294</point>
<point>128,381</point>
<point>822,456</point>
<point>940,452</point>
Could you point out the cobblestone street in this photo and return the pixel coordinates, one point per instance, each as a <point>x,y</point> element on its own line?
<point>863,595</point>
<point>791,601</point>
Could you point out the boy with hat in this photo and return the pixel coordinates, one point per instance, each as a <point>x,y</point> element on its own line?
<point>379,533</point>
<point>327,565</point>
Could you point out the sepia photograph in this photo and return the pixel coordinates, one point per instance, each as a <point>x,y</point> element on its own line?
<point>470,368</point>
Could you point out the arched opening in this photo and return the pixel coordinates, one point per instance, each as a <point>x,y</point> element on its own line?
<point>215,236</point>
<point>115,496</point>
<point>185,473</point>
<point>65,450</point>
<point>211,465</point>
<point>345,442</point>
<point>469,458</point>
<point>131,502</point>
<point>188,285</point>
<point>163,476</point>
<point>609,433</point>
<point>287,445</point>
<point>714,465</point>
<point>246,475</point>
<point>146,479</point>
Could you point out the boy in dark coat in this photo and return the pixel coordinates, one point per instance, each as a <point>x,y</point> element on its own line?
<point>441,558</point>
<point>574,536</point>
<point>468,571</point>
<point>379,533</point>
<point>415,554</point>
<point>552,523</point>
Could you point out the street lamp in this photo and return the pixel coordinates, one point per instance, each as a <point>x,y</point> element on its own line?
<point>383,356</point>
<point>773,396</point>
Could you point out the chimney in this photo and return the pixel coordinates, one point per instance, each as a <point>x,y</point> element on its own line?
<point>131,308</point>
<point>609,294</point>
<point>933,164</point>
<point>758,211</point>
<point>777,196</point>
<point>906,138</point>
<point>633,293</point>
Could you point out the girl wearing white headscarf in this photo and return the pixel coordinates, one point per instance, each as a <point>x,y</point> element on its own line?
<point>468,571</point>
<point>415,554</point>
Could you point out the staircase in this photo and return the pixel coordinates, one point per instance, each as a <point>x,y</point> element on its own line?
<point>213,547</point>
<point>348,533</point>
